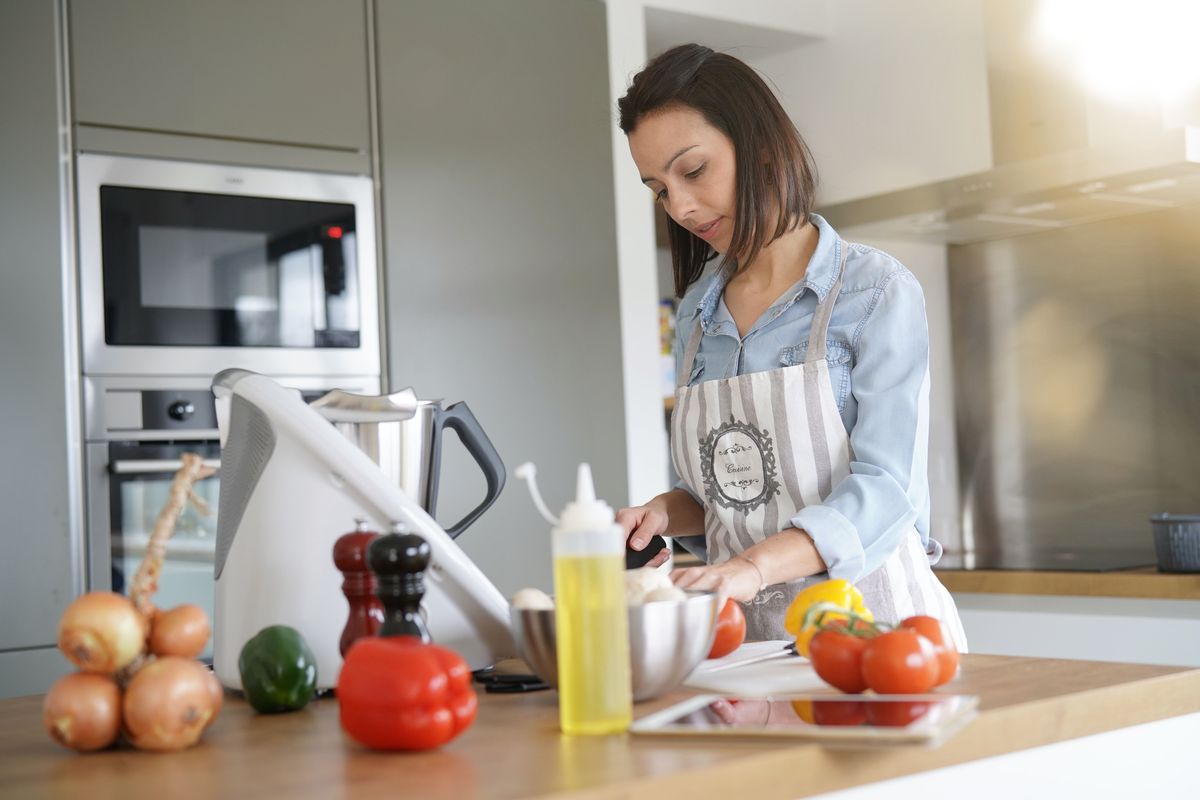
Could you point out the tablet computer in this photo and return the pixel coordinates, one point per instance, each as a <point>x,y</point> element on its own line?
<point>857,719</point>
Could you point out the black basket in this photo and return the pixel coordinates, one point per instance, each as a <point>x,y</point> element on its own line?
<point>1177,542</point>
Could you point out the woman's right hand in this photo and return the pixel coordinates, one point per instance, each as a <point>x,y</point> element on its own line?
<point>640,523</point>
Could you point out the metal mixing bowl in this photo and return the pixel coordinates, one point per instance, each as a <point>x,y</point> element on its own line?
<point>667,640</point>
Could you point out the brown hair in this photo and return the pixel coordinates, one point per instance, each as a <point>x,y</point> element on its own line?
<point>733,98</point>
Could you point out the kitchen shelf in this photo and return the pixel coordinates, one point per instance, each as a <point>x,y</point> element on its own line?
<point>1143,582</point>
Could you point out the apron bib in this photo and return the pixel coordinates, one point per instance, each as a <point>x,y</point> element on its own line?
<point>758,448</point>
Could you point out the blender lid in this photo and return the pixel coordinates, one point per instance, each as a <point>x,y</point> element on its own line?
<point>340,406</point>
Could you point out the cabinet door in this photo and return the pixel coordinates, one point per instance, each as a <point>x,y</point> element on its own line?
<point>276,71</point>
<point>500,244</point>
<point>39,560</point>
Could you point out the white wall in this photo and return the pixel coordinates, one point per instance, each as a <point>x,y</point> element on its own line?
<point>894,96</point>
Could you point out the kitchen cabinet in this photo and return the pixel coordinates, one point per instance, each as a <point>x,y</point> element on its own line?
<point>1137,615</point>
<point>499,250</point>
<point>40,562</point>
<point>290,74</point>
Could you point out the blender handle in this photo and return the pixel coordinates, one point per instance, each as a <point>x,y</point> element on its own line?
<point>459,418</point>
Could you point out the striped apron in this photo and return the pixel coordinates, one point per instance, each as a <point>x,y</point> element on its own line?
<point>759,447</point>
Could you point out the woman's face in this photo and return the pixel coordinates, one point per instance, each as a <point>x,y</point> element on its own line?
<point>691,168</point>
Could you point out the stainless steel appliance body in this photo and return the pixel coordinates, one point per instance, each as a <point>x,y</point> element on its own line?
<point>136,430</point>
<point>190,268</point>
<point>1077,373</point>
<point>403,435</point>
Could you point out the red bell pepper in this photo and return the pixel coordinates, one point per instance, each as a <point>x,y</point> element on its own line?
<point>398,693</point>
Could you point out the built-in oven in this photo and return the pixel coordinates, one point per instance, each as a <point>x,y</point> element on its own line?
<point>189,268</point>
<point>136,432</point>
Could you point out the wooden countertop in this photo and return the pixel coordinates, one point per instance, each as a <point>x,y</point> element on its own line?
<point>1144,582</point>
<point>514,748</point>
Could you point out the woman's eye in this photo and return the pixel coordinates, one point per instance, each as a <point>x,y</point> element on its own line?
<point>696,172</point>
<point>660,195</point>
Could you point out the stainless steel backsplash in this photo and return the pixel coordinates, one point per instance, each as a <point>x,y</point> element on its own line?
<point>1077,369</point>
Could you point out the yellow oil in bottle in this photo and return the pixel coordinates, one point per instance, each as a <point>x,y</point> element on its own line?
<point>591,629</point>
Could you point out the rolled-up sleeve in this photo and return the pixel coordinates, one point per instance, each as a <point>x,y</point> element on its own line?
<point>864,518</point>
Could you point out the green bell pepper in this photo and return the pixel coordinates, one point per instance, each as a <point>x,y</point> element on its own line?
<point>279,671</point>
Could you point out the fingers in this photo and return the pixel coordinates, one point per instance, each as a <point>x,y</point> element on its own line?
<point>724,711</point>
<point>628,519</point>
<point>640,523</point>
<point>726,579</point>
<point>659,559</point>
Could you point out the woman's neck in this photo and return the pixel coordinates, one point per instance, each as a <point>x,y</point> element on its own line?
<point>781,263</point>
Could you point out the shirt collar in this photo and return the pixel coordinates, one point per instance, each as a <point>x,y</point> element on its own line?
<point>819,277</point>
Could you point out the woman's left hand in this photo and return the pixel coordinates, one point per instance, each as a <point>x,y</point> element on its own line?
<point>735,578</point>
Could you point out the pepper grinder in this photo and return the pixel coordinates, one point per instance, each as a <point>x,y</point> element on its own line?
<point>358,584</point>
<point>399,560</point>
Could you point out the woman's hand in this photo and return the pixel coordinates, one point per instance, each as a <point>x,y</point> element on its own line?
<point>736,578</point>
<point>640,523</point>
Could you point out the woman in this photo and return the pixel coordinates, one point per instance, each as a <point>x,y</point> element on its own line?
<point>801,421</point>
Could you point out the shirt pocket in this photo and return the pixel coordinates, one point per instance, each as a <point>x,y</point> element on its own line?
<point>838,357</point>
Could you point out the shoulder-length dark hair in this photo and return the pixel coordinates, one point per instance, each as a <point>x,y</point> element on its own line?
<point>774,166</point>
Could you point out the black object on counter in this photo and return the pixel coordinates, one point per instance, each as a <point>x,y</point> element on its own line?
<point>399,561</point>
<point>508,683</point>
<point>639,558</point>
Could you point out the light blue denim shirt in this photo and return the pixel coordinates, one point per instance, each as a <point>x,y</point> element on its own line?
<point>878,353</point>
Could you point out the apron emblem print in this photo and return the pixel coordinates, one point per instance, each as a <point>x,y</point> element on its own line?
<point>738,466</point>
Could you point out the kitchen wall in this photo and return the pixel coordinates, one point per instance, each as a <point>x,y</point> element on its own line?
<point>894,96</point>
<point>1078,353</point>
<point>500,252</point>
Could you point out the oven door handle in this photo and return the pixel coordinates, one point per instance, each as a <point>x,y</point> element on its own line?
<point>148,465</point>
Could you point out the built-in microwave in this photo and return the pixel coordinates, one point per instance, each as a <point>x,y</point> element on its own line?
<point>190,268</point>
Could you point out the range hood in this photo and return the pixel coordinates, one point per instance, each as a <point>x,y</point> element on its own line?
<point>1061,158</point>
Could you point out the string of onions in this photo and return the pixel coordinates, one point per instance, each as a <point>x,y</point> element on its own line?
<point>137,669</point>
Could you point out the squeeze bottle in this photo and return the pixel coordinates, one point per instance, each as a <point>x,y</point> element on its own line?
<point>591,620</point>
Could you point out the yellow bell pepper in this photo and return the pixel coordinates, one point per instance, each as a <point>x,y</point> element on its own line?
<point>832,594</point>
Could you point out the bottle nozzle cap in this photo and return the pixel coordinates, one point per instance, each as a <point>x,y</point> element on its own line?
<point>585,512</point>
<point>585,490</point>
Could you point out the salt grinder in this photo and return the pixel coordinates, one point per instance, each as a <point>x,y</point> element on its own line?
<point>399,561</point>
<point>358,584</point>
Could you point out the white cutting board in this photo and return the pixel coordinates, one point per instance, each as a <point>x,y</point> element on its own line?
<point>781,675</point>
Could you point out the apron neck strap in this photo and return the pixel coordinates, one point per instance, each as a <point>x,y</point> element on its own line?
<point>818,336</point>
<point>689,355</point>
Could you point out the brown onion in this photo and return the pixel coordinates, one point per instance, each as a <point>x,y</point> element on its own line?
<point>168,704</point>
<point>218,696</point>
<point>82,711</point>
<point>102,632</point>
<point>182,631</point>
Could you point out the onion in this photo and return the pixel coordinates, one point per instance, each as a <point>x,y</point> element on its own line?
<point>102,632</point>
<point>168,704</point>
<point>83,711</point>
<point>182,631</point>
<point>217,692</point>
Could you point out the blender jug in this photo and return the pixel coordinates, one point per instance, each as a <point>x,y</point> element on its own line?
<point>403,435</point>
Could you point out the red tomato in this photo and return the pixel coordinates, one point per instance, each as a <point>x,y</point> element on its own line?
<point>731,630</point>
<point>933,630</point>
<point>839,712</point>
<point>397,693</point>
<point>837,658</point>
<point>896,713</point>
<point>900,662</point>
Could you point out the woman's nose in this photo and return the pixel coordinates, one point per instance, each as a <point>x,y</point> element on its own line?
<point>680,205</point>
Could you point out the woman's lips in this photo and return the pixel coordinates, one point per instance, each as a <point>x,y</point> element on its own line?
<point>710,230</point>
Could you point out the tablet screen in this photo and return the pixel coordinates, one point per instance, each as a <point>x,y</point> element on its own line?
<point>908,717</point>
